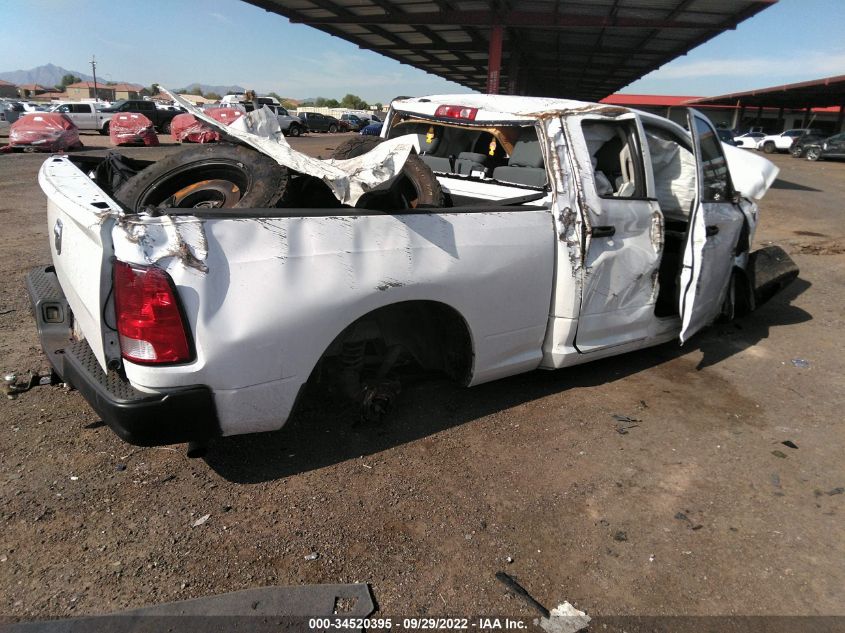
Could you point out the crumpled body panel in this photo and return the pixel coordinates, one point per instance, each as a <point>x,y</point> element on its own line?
<point>348,179</point>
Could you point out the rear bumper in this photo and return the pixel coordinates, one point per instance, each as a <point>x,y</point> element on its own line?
<point>145,419</point>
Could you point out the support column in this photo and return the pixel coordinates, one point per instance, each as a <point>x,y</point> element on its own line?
<point>806,119</point>
<point>737,114</point>
<point>759,114</point>
<point>780,125</point>
<point>494,60</point>
<point>840,119</point>
<point>514,64</point>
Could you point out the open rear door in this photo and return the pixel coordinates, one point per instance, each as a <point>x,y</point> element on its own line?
<point>714,227</point>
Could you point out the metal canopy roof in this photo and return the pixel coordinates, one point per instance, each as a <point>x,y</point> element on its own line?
<point>580,49</point>
<point>818,93</point>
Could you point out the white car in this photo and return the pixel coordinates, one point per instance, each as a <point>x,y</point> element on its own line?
<point>780,142</point>
<point>748,140</point>
<point>198,300</point>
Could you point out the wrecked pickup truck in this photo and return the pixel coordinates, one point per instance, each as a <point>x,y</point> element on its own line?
<point>199,295</point>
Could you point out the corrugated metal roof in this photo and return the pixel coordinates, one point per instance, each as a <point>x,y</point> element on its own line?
<point>826,92</point>
<point>583,49</point>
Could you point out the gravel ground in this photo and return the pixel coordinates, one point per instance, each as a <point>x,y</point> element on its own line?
<point>699,509</point>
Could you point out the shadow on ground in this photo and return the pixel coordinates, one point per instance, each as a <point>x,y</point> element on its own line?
<point>317,438</point>
<point>792,186</point>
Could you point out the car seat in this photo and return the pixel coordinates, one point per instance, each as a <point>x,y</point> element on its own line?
<point>525,164</point>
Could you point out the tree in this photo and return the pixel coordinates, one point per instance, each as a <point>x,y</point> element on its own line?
<point>66,81</point>
<point>213,96</point>
<point>353,102</point>
<point>378,106</point>
<point>153,89</point>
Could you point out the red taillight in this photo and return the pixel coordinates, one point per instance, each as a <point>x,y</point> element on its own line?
<point>456,112</point>
<point>149,321</point>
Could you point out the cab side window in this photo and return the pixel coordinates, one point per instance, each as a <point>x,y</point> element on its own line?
<point>616,160</point>
<point>716,186</point>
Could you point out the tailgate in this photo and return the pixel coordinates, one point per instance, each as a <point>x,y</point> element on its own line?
<point>79,221</point>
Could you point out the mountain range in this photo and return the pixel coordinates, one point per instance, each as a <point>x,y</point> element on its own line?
<point>47,75</point>
<point>50,75</point>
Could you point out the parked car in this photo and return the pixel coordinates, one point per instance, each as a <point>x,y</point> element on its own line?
<point>799,146</point>
<point>161,118</point>
<point>4,124</point>
<point>85,115</point>
<point>316,122</point>
<point>13,110</point>
<point>482,260</point>
<point>43,132</point>
<point>831,147</point>
<point>783,141</point>
<point>356,123</point>
<point>291,125</point>
<point>373,129</point>
<point>748,140</point>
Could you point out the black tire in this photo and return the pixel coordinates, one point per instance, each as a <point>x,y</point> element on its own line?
<point>797,152</point>
<point>418,186</point>
<point>207,176</point>
<point>332,129</point>
<point>355,146</point>
<point>165,127</point>
<point>294,130</point>
<point>104,131</point>
<point>813,153</point>
<point>769,147</point>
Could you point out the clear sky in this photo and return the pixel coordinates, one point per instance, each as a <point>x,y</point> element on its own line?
<point>178,42</point>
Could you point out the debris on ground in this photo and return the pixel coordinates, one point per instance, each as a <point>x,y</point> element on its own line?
<point>620,536</point>
<point>201,520</point>
<point>565,618</point>
<point>625,422</point>
<point>836,491</point>
<point>683,517</point>
<point>789,444</point>
<point>780,454</point>
<point>312,556</point>
<point>800,363</point>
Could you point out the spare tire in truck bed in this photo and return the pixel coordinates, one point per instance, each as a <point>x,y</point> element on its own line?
<point>207,176</point>
<point>418,186</point>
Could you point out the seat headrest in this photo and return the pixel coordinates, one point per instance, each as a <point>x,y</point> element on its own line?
<point>526,152</point>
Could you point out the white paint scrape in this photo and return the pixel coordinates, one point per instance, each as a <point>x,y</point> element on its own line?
<point>565,618</point>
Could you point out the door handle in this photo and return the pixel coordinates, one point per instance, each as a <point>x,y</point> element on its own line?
<point>603,231</point>
<point>711,230</point>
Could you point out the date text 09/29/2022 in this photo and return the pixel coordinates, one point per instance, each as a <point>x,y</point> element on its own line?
<point>480,623</point>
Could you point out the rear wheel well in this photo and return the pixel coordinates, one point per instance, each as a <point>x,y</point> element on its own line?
<point>432,334</point>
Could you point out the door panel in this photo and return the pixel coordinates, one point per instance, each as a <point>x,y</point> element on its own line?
<point>714,229</point>
<point>623,246</point>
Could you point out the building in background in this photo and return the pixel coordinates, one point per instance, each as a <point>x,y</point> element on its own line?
<point>126,91</point>
<point>84,90</point>
<point>29,91</point>
<point>8,90</point>
<point>817,103</point>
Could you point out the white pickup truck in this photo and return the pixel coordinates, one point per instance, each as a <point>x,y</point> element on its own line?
<point>84,115</point>
<point>199,297</point>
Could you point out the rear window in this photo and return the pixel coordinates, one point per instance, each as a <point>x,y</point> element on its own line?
<point>507,153</point>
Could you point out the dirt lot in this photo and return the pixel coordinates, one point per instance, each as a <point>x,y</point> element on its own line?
<point>700,509</point>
